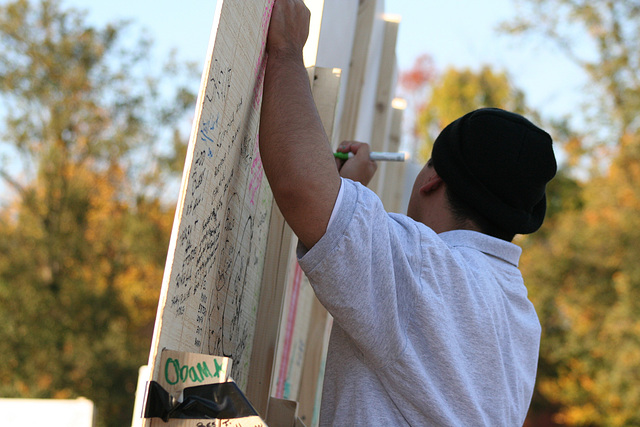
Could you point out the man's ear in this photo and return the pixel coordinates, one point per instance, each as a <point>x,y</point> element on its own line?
<point>433,184</point>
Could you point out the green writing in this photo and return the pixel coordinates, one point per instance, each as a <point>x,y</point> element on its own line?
<point>174,372</point>
<point>218,368</point>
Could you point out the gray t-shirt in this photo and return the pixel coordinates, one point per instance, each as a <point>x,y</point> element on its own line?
<point>429,329</point>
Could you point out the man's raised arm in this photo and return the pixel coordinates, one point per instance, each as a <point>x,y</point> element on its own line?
<point>295,151</point>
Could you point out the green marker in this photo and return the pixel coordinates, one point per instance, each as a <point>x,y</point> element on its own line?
<point>376,156</point>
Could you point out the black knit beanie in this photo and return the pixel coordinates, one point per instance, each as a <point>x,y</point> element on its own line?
<point>499,163</point>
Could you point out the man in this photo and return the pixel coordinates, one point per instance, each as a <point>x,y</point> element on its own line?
<point>432,325</point>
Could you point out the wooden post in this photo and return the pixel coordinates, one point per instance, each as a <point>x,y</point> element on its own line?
<point>269,312</point>
<point>357,69</point>
<point>384,95</point>
<point>393,191</point>
<point>314,362</point>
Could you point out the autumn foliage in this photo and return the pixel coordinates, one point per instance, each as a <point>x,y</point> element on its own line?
<point>84,230</point>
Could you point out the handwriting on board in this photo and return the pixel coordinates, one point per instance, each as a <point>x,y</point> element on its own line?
<point>216,256</point>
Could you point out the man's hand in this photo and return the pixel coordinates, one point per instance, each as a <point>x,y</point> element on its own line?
<point>359,168</point>
<point>289,28</point>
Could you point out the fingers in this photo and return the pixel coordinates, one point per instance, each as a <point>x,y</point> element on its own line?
<point>355,147</point>
<point>351,146</point>
<point>360,168</point>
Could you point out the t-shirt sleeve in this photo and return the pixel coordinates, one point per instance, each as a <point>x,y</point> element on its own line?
<point>355,269</point>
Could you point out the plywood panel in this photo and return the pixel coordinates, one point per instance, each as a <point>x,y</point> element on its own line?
<point>211,286</point>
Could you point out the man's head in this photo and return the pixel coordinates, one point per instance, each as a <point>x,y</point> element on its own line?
<point>496,164</point>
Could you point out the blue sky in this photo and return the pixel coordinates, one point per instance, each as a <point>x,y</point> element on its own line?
<point>461,33</point>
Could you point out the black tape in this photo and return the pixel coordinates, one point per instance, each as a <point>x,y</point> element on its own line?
<point>212,401</point>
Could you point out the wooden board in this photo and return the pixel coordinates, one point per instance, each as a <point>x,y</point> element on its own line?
<point>269,313</point>
<point>332,47</point>
<point>379,136</point>
<point>211,286</point>
<point>312,378</point>
<point>369,90</point>
<point>357,69</point>
<point>394,184</point>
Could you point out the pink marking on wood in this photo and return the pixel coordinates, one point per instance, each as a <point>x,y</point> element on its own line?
<point>288,337</point>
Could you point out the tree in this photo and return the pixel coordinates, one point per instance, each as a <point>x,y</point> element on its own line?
<point>602,37</point>
<point>584,280</point>
<point>413,86</point>
<point>584,275</point>
<point>83,238</point>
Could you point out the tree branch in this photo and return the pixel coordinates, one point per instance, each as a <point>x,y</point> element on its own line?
<point>12,182</point>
